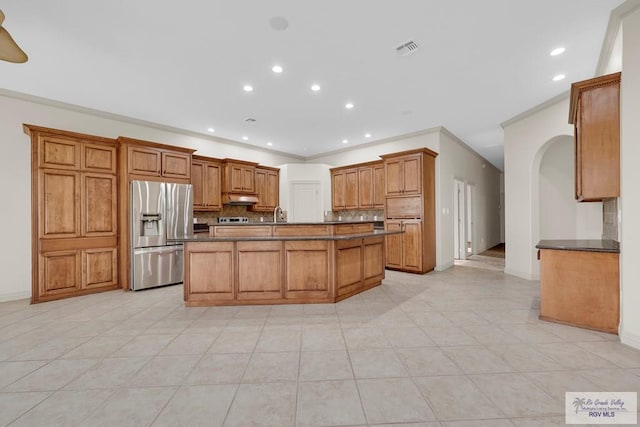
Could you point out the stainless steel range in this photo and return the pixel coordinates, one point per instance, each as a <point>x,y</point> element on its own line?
<point>233,219</point>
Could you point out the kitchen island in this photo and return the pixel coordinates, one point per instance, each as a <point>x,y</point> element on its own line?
<point>282,263</point>
<point>579,283</point>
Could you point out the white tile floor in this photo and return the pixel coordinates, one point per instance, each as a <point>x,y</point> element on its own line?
<point>462,347</point>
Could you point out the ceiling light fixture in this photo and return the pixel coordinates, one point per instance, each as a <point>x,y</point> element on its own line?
<point>558,77</point>
<point>245,138</point>
<point>367,135</point>
<point>344,141</point>
<point>557,51</point>
<point>269,144</point>
<point>277,69</point>
<point>247,88</point>
<point>348,106</point>
<point>315,87</point>
<point>211,130</point>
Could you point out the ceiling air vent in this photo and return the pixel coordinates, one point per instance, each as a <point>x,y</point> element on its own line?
<point>250,120</point>
<point>407,48</point>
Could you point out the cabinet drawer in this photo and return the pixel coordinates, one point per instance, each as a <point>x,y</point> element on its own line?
<point>301,230</point>
<point>353,228</point>
<point>242,231</point>
<point>404,207</point>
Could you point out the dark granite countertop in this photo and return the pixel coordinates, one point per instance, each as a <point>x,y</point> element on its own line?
<point>207,238</point>
<point>291,223</point>
<point>581,245</point>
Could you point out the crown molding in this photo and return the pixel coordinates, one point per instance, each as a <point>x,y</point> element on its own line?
<point>531,111</point>
<point>117,117</point>
<point>615,22</point>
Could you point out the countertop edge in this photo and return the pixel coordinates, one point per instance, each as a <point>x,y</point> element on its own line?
<point>195,239</point>
<point>609,246</point>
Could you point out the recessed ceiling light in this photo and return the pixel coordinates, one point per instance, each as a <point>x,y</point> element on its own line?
<point>277,69</point>
<point>558,77</point>
<point>557,51</point>
<point>245,138</point>
<point>344,141</point>
<point>348,106</point>
<point>247,88</point>
<point>211,130</point>
<point>315,87</point>
<point>269,144</point>
<point>367,135</point>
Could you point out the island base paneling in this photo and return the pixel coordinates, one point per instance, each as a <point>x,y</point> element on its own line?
<point>281,271</point>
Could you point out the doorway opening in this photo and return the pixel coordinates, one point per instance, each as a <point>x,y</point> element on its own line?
<point>459,222</point>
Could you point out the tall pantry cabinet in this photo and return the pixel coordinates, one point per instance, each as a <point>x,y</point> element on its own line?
<point>74,206</point>
<point>410,207</point>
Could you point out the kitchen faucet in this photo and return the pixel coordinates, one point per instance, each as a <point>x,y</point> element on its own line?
<point>277,213</point>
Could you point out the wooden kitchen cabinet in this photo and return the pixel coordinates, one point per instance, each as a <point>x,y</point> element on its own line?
<point>239,176</point>
<point>74,214</point>
<point>307,270</point>
<point>404,251</point>
<point>206,178</point>
<point>595,113</point>
<point>403,174</point>
<point>259,270</point>
<point>208,271</point>
<point>378,186</point>
<point>344,188</point>
<point>267,181</point>
<point>410,207</point>
<point>580,288</point>
<point>146,160</point>
<point>349,266</point>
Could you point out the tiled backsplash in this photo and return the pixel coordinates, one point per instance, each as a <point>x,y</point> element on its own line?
<point>212,217</point>
<point>610,219</point>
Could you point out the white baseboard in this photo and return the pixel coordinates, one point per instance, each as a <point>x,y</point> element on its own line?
<point>630,339</point>
<point>12,296</point>
<point>444,266</point>
<point>521,274</point>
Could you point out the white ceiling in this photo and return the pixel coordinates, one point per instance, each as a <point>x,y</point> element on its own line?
<point>183,64</point>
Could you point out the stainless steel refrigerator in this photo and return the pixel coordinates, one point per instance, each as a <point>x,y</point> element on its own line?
<point>159,211</point>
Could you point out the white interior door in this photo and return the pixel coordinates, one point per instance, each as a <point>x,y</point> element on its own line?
<point>458,220</point>
<point>471,192</point>
<point>305,202</point>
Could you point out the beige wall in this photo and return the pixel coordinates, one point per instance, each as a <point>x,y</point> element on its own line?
<point>15,178</point>
<point>630,180</point>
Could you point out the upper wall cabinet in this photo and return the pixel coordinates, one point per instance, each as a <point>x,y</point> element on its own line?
<point>206,178</point>
<point>359,186</point>
<point>267,182</point>
<point>146,160</point>
<point>404,175</point>
<point>595,113</point>
<point>239,177</point>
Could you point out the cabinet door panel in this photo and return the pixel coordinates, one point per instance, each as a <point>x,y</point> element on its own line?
<point>261,189</point>
<point>373,259</point>
<point>60,272</point>
<point>307,268</point>
<point>248,180</point>
<point>60,204</point>
<point>100,268</point>
<point>351,189</point>
<point>212,186</point>
<point>57,153</point>
<point>338,190</point>
<point>210,270</point>
<point>393,177</point>
<point>365,187</point>
<point>259,270</point>
<point>176,165</point>
<point>99,158</point>
<point>412,174</point>
<point>412,245</point>
<point>378,187</point>
<point>349,268</point>
<point>144,161</point>
<point>273,190</point>
<point>394,244</point>
<point>198,183</point>
<point>100,207</point>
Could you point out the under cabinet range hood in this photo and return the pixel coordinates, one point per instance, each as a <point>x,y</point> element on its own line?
<point>239,199</point>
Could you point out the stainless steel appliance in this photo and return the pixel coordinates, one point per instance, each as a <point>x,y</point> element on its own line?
<point>233,219</point>
<point>159,211</point>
